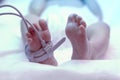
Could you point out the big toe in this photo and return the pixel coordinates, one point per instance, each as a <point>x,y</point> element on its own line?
<point>43,24</point>
<point>72,18</point>
<point>45,33</point>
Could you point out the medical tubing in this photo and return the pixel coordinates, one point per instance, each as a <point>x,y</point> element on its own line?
<point>17,11</point>
<point>1,14</point>
<point>24,20</point>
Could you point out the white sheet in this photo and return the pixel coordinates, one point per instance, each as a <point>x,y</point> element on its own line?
<point>75,70</point>
<point>15,66</point>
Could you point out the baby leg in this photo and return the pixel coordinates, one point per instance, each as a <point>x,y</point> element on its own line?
<point>98,36</point>
<point>37,7</point>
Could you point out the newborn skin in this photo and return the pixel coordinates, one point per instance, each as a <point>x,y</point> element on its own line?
<point>87,42</point>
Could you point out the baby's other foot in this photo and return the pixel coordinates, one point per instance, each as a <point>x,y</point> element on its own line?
<point>76,32</point>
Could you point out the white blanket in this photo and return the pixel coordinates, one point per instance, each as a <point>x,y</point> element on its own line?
<point>15,66</point>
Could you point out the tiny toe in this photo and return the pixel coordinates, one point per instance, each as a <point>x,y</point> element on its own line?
<point>36,26</point>
<point>31,30</point>
<point>83,23</point>
<point>43,25</point>
<point>82,28</point>
<point>28,35</point>
<point>72,18</point>
<point>29,40</point>
<point>78,20</point>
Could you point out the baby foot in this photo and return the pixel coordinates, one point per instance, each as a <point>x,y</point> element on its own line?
<point>33,40</point>
<point>76,32</point>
